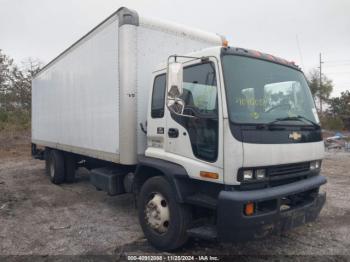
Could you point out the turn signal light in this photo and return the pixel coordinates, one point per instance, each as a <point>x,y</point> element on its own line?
<point>249,209</point>
<point>225,43</point>
<point>209,175</point>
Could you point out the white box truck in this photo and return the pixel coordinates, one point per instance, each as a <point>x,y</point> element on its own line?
<point>215,141</point>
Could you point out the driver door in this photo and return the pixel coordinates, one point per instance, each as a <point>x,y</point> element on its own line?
<point>193,137</point>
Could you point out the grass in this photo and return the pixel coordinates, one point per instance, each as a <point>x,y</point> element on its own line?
<point>14,133</point>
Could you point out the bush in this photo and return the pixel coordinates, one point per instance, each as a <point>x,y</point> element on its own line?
<point>332,123</point>
<point>15,120</point>
<point>3,117</point>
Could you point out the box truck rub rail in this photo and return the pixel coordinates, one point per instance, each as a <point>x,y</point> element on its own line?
<point>215,141</point>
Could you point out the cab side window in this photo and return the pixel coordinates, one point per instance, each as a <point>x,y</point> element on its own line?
<point>200,91</point>
<point>158,97</point>
<point>200,97</point>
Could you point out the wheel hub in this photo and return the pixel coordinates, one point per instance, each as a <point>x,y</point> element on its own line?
<point>157,213</point>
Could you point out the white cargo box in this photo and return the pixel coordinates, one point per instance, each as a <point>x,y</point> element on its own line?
<point>91,99</point>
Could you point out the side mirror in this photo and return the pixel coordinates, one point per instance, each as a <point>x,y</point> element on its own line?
<point>174,80</point>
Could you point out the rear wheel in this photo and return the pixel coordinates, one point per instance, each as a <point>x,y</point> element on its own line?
<point>164,221</point>
<point>56,167</point>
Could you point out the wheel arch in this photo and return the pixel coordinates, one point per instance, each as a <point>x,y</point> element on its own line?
<point>175,174</point>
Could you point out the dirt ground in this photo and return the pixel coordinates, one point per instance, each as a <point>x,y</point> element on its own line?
<point>39,218</point>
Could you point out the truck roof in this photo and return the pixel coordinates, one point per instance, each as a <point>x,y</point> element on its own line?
<point>258,55</point>
<point>209,51</point>
<point>125,15</point>
<point>220,50</point>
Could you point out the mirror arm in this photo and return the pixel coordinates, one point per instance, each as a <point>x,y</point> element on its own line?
<point>188,116</point>
<point>143,129</point>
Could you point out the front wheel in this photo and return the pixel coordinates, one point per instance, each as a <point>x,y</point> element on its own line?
<point>164,221</point>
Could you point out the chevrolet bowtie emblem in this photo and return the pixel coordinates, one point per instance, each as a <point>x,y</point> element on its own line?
<point>295,136</point>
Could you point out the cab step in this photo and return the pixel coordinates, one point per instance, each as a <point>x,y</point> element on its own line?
<point>202,200</point>
<point>207,232</point>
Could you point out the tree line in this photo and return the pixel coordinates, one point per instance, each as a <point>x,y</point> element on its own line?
<point>15,91</point>
<point>334,112</point>
<point>16,83</point>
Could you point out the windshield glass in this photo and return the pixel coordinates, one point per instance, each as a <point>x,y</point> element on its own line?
<point>259,91</point>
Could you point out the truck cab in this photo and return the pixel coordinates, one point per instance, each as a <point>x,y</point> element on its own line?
<point>236,134</point>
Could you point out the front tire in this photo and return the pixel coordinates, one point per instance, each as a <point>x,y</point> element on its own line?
<point>56,167</point>
<point>164,221</point>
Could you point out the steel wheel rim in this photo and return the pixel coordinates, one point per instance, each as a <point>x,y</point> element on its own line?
<point>157,213</point>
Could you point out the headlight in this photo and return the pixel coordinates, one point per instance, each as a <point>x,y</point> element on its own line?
<point>260,173</point>
<point>253,174</point>
<point>315,165</point>
<point>248,174</point>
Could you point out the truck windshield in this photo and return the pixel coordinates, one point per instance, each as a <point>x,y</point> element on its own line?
<point>261,92</point>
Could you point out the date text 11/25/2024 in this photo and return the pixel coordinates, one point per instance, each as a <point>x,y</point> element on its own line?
<point>172,258</point>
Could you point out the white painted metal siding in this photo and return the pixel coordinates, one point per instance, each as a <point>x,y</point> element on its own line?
<point>75,99</point>
<point>157,40</point>
<point>128,98</point>
<point>91,99</point>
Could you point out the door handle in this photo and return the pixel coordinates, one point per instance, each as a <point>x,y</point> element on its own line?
<point>173,132</point>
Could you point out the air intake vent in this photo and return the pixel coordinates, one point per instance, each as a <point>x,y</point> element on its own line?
<point>288,169</point>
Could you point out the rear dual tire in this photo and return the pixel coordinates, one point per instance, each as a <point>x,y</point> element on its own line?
<point>56,167</point>
<point>60,166</point>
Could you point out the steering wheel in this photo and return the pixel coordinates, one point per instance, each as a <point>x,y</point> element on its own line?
<point>197,113</point>
<point>278,106</point>
<point>190,110</point>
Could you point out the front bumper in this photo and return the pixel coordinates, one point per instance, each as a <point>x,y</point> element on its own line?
<point>234,225</point>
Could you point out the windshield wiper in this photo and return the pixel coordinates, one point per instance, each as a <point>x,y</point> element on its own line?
<point>294,118</point>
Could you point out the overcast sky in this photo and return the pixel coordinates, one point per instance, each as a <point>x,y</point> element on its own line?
<point>297,30</point>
